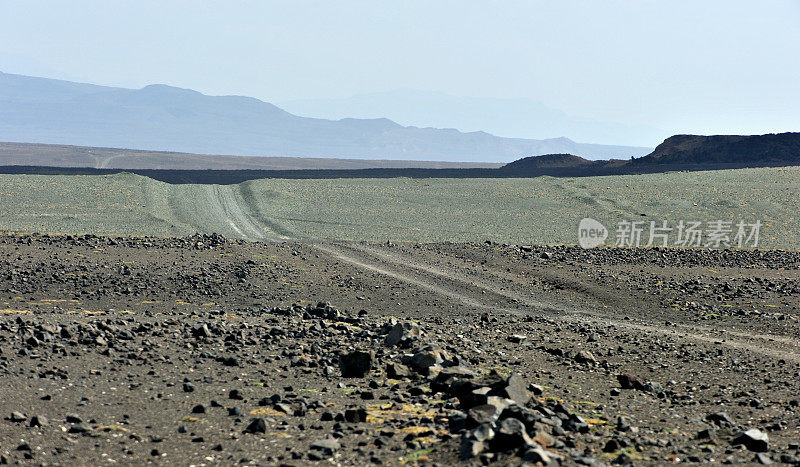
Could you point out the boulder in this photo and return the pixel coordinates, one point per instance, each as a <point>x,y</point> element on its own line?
<point>355,364</point>
<point>753,440</point>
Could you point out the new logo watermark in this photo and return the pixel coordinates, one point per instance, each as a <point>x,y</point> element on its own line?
<point>697,234</point>
<point>591,233</point>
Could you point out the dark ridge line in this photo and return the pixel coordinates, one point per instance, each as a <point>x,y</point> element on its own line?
<point>231,177</point>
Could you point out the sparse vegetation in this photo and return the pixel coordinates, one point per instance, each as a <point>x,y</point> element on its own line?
<point>536,210</point>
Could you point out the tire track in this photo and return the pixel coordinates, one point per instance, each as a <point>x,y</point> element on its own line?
<point>473,292</point>
<point>248,198</point>
<point>224,204</point>
<point>525,299</point>
<point>222,209</point>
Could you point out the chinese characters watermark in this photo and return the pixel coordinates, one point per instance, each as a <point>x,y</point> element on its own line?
<point>697,234</point>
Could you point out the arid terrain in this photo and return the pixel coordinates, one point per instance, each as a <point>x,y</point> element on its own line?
<point>203,350</point>
<point>542,210</point>
<point>507,234</point>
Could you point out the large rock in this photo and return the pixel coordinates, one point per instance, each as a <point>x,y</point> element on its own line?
<point>653,387</point>
<point>402,334</point>
<point>576,423</point>
<point>474,398</point>
<point>423,360</point>
<point>355,364</point>
<point>397,371</point>
<point>457,371</point>
<point>754,440</point>
<point>525,415</point>
<point>513,388</point>
<point>481,414</point>
<point>510,435</point>
<point>201,331</point>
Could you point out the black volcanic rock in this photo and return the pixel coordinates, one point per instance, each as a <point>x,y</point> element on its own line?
<point>559,165</point>
<point>781,148</point>
<point>548,161</point>
<point>679,152</point>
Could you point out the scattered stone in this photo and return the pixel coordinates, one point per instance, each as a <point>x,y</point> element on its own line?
<point>653,387</point>
<point>630,382</point>
<point>79,428</point>
<point>355,415</point>
<point>584,356</point>
<point>38,421</point>
<point>720,419</point>
<point>256,425</point>
<point>763,458</point>
<point>429,381</point>
<point>74,418</point>
<point>323,448</point>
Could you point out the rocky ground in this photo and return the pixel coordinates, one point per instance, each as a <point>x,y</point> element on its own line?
<point>203,350</point>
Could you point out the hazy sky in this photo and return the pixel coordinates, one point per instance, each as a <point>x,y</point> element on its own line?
<point>684,66</point>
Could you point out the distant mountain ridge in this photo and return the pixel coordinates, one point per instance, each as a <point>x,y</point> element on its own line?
<point>165,118</point>
<point>508,117</point>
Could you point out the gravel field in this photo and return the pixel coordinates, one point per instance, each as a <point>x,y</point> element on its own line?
<point>209,351</point>
<point>542,210</point>
<point>466,335</point>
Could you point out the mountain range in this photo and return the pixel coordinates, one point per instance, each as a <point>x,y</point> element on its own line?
<point>166,118</point>
<point>518,117</point>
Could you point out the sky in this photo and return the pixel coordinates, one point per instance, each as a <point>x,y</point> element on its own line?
<point>707,67</point>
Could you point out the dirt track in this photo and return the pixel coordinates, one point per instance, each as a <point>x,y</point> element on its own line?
<point>481,288</point>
